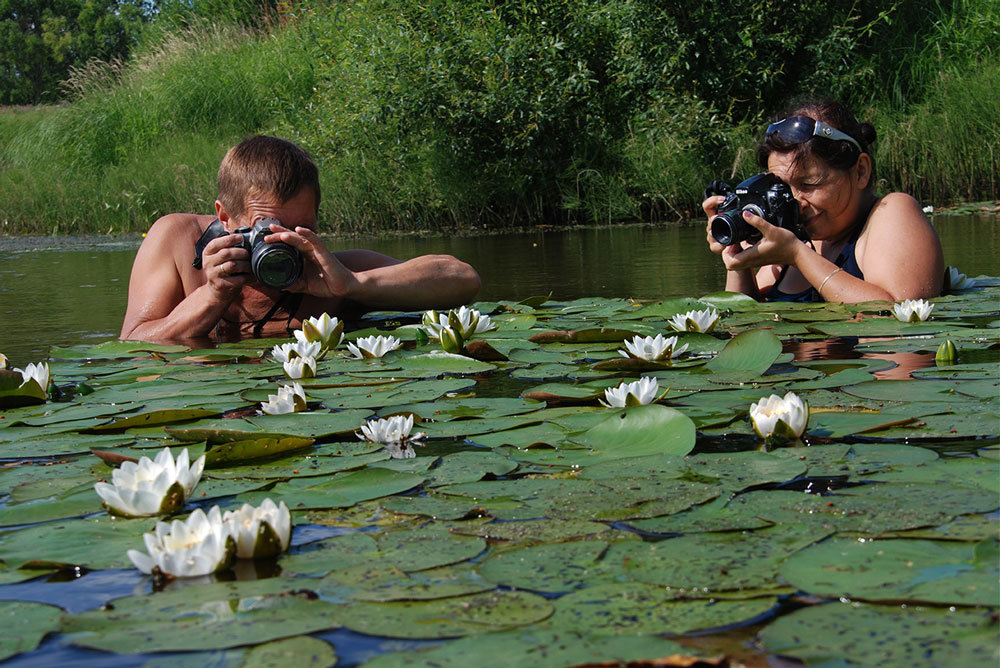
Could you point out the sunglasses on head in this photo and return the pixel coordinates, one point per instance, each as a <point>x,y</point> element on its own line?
<point>798,129</point>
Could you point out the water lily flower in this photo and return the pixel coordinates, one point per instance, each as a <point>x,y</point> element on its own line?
<point>3,361</point>
<point>289,351</point>
<point>329,332</point>
<point>464,322</point>
<point>388,431</point>
<point>300,367</point>
<point>636,393</point>
<point>929,208</point>
<point>371,347</point>
<point>260,532</point>
<point>781,417</point>
<point>35,372</point>
<point>651,348</point>
<point>912,310</point>
<point>956,280</point>
<point>289,399</point>
<point>152,486</point>
<point>451,341</point>
<point>201,545</point>
<point>695,321</point>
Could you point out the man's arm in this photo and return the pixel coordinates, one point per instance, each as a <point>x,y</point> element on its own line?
<point>380,281</point>
<point>159,304</point>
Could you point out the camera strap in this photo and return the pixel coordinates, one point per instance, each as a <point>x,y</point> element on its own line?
<point>213,231</point>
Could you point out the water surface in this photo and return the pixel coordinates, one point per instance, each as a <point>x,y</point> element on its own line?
<point>70,290</point>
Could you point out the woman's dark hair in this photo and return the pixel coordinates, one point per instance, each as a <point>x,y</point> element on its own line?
<point>836,154</point>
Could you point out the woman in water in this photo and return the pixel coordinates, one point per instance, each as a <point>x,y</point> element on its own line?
<point>863,247</point>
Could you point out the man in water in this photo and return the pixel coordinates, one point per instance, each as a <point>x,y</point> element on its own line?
<point>191,277</point>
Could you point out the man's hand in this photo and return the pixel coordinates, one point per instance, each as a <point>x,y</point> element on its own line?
<point>226,266</point>
<point>323,275</point>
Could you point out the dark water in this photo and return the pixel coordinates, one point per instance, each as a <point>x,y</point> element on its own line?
<point>65,291</point>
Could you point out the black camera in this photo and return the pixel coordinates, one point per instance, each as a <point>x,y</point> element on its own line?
<point>764,195</point>
<point>276,265</point>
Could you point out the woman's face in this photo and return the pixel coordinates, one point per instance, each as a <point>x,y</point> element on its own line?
<point>829,199</point>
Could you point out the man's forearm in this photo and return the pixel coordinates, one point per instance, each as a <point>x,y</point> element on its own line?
<point>430,281</point>
<point>196,316</point>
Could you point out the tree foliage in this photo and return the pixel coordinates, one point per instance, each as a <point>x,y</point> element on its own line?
<point>42,40</point>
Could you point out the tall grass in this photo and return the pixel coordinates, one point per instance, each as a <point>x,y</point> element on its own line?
<point>470,113</point>
<point>144,138</point>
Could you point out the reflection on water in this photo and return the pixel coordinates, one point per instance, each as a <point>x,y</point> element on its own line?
<point>66,291</point>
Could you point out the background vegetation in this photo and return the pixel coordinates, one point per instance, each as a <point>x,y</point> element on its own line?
<point>487,114</point>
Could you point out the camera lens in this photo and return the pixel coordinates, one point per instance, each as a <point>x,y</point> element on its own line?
<point>276,265</point>
<point>725,228</point>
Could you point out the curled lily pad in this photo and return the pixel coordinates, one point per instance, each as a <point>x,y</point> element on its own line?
<point>642,430</point>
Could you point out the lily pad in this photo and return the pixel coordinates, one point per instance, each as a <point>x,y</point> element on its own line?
<point>523,647</point>
<point>211,618</point>
<point>641,430</point>
<point>447,618</point>
<point>751,352</point>
<point>632,608</point>
<point>25,624</point>
<point>889,636</point>
<point>918,571</point>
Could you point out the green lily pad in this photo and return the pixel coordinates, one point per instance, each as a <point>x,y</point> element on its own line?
<point>641,430</point>
<point>469,466</point>
<point>551,568</point>
<point>918,571</point>
<point>523,647</point>
<point>714,561</point>
<point>889,636</point>
<point>320,558</point>
<point>25,624</point>
<point>302,650</point>
<point>632,608</point>
<point>449,617</point>
<point>419,549</point>
<point>94,543</point>
<point>211,617</point>
<point>751,352</point>
<point>383,582</point>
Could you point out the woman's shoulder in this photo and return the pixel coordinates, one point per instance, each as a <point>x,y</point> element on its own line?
<point>898,206</point>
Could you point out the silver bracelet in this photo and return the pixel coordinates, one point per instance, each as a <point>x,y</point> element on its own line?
<point>828,277</point>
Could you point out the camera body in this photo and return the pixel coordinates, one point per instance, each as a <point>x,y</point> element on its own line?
<point>276,265</point>
<point>764,195</point>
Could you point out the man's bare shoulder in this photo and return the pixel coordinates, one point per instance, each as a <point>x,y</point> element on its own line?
<point>180,226</point>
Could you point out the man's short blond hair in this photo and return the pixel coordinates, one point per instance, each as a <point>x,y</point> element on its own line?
<point>265,165</point>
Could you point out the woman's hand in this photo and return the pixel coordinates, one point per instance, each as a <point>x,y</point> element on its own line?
<point>777,246</point>
<point>711,208</point>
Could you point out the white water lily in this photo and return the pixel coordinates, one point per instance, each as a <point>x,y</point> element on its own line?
<point>289,399</point>
<point>201,545</point>
<point>329,332</point>
<point>300,367</point>
<point>4,364</point>
<point>912,310</point>
<point>388,431</point>
<point>152,486</point>
<point>652,348</point>
<point>260,532</point>
<point>371,347</point>
<point>784,417</point>
<point>636,393</point>
<point>463,321</point>
<point>290,351</point>
<point>956,280</point>
<point>35,372</point>
<point>695,321</point>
